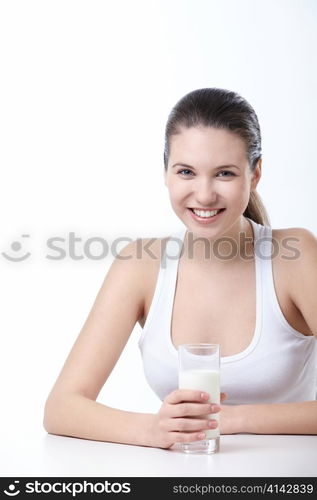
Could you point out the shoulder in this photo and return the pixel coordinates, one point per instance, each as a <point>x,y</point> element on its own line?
<point>297,244</point>
<point>296,251</point>
<point>298,258</point>
<point>299,232</point>
<point>141,258</point>
<point>145,258</point>
<point>143,251</point>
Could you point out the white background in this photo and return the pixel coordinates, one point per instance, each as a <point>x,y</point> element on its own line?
<point>85,91</point>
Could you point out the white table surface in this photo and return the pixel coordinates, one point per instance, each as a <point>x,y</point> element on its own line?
<point>245,455</point>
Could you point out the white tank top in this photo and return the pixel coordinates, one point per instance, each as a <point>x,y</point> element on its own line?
<point>278,366</point>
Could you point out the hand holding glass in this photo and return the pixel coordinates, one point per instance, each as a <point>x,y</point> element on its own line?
<point>199,369</point>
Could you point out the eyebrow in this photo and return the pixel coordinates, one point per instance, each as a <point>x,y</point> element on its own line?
<point>216,168</point>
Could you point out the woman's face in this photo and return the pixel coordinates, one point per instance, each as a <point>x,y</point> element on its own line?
<point>208,170</point>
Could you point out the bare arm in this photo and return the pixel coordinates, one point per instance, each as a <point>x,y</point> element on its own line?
<point>285,418</point>
<point>71,408</point>
<point>275,418</point>
<point>77,416</point>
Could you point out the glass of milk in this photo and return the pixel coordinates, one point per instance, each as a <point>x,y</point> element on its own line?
<point>199,369</point>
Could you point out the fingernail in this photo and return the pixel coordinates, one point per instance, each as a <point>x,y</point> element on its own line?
<point>212,423</point>
<point>215,408</point>
<point>201,435</point>
<point>204,395</point>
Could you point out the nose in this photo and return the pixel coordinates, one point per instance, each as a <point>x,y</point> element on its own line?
<point>206,194</point>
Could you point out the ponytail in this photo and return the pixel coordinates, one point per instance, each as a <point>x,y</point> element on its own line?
<point>256,210</point>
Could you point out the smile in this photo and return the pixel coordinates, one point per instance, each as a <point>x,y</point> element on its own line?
<point>206,213</point>
<point>206,216</point>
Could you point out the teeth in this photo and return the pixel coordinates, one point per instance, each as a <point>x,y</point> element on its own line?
<point>203,213</point>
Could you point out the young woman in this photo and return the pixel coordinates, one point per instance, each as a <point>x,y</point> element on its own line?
<point>234,281</point>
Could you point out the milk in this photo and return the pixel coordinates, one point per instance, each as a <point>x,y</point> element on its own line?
<point>206,381</point>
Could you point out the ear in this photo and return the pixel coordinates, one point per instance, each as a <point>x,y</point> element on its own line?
<point>256,175</point>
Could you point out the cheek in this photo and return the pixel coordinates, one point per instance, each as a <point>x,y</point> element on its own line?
<point>236,195</point>
<point>176,190</point>
<point>240,190</point>
<point>243,197</point>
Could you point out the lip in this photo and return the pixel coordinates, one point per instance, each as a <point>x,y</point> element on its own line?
<point>206,220</point>
<point>205,209</point>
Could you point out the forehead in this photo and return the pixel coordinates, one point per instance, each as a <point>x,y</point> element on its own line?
<point>201,144</point>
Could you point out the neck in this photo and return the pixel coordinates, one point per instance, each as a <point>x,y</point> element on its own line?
<point>234,245</point>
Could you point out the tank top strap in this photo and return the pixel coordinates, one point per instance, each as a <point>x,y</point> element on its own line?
<point>173,249</point>
<point>264,253</point>
<point>269,249</point>
<point>166,282</point>
<point>169,263</point>
<point>257,233</point>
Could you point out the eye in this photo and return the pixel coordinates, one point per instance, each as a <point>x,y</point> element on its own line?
<point>184,170</point>
<point>226,172</point>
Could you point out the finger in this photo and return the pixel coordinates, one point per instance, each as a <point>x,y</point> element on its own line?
<point>193,409</point>
<point>190,424</point>
<point>223,396</point>
<point>187,437</point>
<point>180,395</point>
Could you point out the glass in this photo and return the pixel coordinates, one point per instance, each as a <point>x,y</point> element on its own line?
<point>199,369</point>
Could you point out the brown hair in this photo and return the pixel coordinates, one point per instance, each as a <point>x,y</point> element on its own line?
<point>221,108</point>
